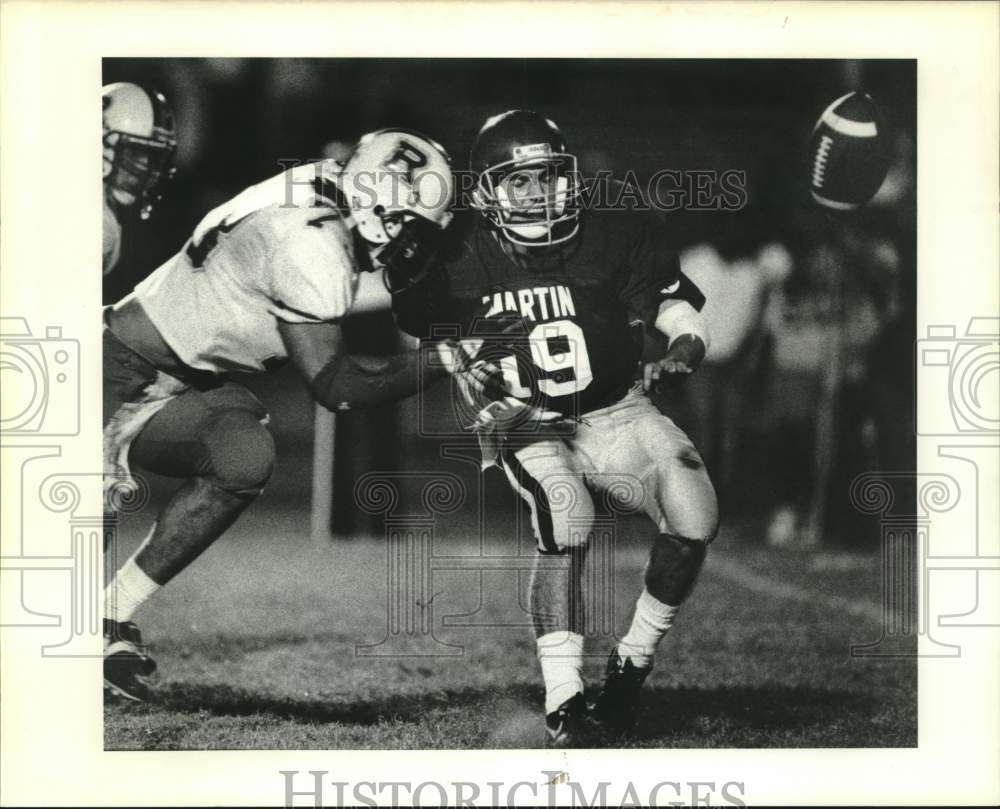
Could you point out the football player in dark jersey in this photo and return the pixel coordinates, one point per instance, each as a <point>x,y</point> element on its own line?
<point>550,300</point>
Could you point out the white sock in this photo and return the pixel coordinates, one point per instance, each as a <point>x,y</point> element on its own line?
<point>561,656</point>
<point>650,623</point>
<point>128,589</point>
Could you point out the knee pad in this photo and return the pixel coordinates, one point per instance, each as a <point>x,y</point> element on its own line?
<point>239,452</point>
<point>673,567</point>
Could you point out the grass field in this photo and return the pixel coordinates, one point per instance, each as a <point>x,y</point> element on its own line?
<point>256,646</point>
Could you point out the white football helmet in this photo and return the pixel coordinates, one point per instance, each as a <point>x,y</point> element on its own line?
<point>398,186</point>
<point>139,144</point>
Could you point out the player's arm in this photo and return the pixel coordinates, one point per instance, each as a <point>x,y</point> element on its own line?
<point>341,381</point>
<point>312,284</point>
<point>416,307</point>
<point>688,337</point>
<point>421,291</point>
<point>665,299</point>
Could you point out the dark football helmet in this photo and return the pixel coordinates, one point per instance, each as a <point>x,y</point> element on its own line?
<point>139,144</point>
<point>527,183</point>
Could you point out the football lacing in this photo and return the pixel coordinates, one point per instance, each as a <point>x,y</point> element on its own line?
<point>819,166</point>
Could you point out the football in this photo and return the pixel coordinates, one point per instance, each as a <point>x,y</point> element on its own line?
<point>847,154</point>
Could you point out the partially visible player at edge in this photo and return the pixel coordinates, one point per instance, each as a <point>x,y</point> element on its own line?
<point>553,297</point>
<point>266,277</point>
<point>139,142</point>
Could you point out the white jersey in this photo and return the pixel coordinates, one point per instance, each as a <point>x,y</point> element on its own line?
<point>276,252</point>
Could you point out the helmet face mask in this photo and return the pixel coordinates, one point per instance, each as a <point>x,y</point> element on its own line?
<point>531,203</point>
<point>137,167</point>
<point>527,184</point>
<point>139,143</point>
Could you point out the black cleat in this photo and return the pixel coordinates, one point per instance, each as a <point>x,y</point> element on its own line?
<point>569,725</point>
<point>126,663</point>
<point>616,707</point>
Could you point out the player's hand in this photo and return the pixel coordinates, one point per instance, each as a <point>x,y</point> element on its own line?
<point>483,381</point>
<point>455,356</point>
<point>509,414</point>
<point>684,356</point>
<point>480,381</point>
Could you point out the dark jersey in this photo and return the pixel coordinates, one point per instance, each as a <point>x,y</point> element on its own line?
<point>565,324</point>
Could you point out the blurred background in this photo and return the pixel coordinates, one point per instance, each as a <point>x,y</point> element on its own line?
<point>810,379</point>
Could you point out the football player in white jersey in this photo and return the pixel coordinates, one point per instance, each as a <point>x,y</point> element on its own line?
<point>139,143</point>
<point>266,277</point>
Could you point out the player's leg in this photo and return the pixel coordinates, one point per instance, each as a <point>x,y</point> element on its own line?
<point>216,439</point>
<point>219,442</point>
<point>562,512</point>
<point>127,379</point>
<point>679,497</point>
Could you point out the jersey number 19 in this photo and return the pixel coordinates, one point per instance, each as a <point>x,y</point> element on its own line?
<point>559,354</point>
